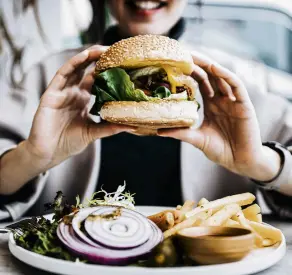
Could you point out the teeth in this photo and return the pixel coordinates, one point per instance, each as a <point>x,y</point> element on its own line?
<point>147,5</point>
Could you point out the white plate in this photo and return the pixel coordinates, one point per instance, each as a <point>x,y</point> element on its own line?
<point>257,260</point>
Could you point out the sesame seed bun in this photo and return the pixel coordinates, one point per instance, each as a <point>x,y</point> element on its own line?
<point>146,50</point>
<point>150,116</point>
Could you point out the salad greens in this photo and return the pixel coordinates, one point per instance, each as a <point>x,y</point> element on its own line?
<point>43,239</point>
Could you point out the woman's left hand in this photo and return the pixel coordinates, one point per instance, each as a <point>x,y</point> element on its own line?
<point>229,134</point>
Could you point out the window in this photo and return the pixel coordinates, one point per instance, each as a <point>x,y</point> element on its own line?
<point>259,33</point>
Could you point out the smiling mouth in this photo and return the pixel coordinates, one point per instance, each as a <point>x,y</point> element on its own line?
<point>140,5</point>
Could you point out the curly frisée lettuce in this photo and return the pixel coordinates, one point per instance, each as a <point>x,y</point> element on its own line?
<point>118,198</point>
<point>144,84</point>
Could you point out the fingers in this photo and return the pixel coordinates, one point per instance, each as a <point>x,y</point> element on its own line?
<point>202,61</point>
<point>227,82</point>
<point>225,88</point>
<point>88,80</point>
<point>71,97</point>
<point>238,89</point>
<point>202,78</point>
<point>189,135</point>
<point>77,62</point>
<point>106,129</point>
<point>221,88</point>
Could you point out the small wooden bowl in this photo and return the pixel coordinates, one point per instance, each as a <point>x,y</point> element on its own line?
<point>215,245</point>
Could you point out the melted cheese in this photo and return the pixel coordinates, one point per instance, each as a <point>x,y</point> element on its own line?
<point>177,79</point>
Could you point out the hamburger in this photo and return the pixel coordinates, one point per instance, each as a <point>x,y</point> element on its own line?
<point>145,81</point>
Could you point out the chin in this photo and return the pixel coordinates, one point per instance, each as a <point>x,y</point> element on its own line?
<point>144,28</point>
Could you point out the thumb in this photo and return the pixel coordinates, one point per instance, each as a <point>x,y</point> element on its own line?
<point>189,135</point>
<point>105,129</point>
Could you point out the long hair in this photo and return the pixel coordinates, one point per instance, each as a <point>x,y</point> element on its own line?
<point>96,30</point>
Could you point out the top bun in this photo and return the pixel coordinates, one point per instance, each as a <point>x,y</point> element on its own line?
<point>145,50</point>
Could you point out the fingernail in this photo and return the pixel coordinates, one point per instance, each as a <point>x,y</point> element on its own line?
<point>85,53</point>
<point>131,129</point>
<point>160,134</point>
<point>104,48</point>
<point>233,98</point>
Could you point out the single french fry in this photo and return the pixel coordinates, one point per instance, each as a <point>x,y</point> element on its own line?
<point>184,224</point>
<point>268,242</point>
<point>240,199</point>
<point>231,223</point>
<point>251,212</point>
<point>245,223</point>
<point>202,201</point>
<point>164,220</point>
<point>188,206</point>
<point>202,217</point>
<point>259,218</point>
<point>267,231</point>
<point>221,216</point>
<point>170,219</point>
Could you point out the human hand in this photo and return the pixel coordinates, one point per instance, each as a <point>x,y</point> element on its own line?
<point>61,127</point>
<point>229,134</point>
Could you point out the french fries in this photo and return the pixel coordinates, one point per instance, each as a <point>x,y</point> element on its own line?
<point>231,223</point>
<point>268,242</point>
<point>168,218</point>
<point>251,212</point>
<point>267,231</point>
<point>164,220</point>
<point>241,200</point>
<point>222,212</point>
<point>202,201</point>
<point>259,218</point>
<point>203,217</point>
<point>221,216</point>
<point>185,224</point>
<point>239,217</point>
<point>188,206</point>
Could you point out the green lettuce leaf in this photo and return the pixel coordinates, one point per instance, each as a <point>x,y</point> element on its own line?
<point>161,92</point>
<point>115,85</point>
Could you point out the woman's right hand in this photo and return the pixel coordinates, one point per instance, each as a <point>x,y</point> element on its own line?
<point>61,127</point>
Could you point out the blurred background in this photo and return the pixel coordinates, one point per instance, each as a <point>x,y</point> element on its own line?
<point>258,30</point>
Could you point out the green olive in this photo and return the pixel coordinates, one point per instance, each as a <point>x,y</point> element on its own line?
<point>163,255</point>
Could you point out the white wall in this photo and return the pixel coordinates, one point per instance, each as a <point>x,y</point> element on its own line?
<point>61,23</point>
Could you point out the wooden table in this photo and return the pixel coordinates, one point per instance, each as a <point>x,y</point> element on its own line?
<point>11,266</point>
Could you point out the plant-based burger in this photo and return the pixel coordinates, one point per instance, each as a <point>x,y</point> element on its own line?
<point>145,81</point>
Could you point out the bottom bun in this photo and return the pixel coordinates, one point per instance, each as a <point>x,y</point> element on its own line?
<point>148,117</point>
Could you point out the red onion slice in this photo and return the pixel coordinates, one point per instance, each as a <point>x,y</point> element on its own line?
<point>106,255</point>
<point>77,221</point>
<point>129,230</point>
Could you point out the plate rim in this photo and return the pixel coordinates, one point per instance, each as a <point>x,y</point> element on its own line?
<point>21,253</point>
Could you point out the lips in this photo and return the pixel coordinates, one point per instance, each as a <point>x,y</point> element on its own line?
<point>140,5</point>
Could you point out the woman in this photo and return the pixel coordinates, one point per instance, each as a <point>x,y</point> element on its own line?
<point>63,150</point>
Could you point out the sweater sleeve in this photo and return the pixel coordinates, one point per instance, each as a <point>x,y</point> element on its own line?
<point>17,108</point>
